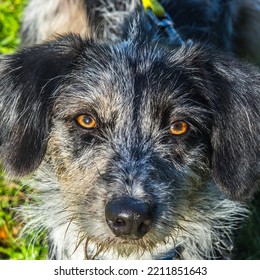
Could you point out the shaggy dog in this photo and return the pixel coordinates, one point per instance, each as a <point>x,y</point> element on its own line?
<point>139,148</point>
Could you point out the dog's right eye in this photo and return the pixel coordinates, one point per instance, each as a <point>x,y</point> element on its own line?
<point>179,128</point>
<point>86,121</point>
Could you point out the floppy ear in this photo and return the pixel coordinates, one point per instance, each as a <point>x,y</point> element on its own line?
<point>28,80</point>
<point>236,130</point>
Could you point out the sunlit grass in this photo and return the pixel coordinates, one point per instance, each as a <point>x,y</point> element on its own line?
<point>12,246</point>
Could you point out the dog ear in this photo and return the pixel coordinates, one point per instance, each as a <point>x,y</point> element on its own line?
<point>236,129</point>
<point>28,80</point>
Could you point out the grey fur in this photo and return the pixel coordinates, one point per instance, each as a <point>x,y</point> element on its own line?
<point>135,88</point>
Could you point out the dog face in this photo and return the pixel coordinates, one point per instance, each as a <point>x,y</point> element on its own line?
<point>143,142</point>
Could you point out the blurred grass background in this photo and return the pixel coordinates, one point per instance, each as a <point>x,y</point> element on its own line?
<point>10,15</point>
<point>14,194</point>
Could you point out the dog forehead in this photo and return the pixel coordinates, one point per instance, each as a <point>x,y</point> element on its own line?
<point>126,77</point>
<point>128,69</point>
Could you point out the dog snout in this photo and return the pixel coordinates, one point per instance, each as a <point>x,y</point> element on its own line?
<point>129,218</point>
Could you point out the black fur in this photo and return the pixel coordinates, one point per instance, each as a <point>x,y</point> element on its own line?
<point>231,88</point>
<point>205,21</point>
<point>28,82</point>
<point>135,88</point>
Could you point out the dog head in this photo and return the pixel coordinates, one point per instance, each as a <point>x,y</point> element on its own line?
<point>137,135</point>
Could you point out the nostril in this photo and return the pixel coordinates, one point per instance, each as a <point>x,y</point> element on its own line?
<point>144,227</point>
<point>129,217</point>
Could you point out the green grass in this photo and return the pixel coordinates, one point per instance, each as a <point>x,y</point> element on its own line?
<point>10,14</point>
<point>13,194</point>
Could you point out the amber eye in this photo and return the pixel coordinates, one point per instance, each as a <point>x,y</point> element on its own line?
<point>179,128</point>
<point>86,121</point>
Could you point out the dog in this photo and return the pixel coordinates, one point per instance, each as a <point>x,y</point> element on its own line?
<point>138,148</point>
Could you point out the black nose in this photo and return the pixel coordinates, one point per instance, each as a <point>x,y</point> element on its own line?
<point>128,217</point>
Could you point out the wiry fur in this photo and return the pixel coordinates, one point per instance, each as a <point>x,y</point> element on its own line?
<point>50,18</point>
<point>135,87</point>
<point>225,22</point>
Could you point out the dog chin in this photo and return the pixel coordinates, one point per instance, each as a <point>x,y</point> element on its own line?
<point>130,249</point>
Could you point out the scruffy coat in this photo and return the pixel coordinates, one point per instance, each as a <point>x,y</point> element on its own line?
<point>135,87</point>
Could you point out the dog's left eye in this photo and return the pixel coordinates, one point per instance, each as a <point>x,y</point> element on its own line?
<point>86,121</point>
<point>179,128</point>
